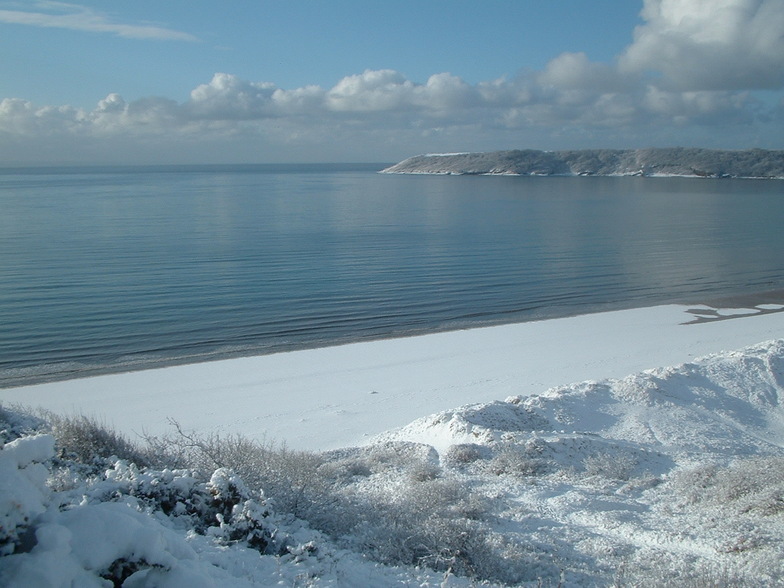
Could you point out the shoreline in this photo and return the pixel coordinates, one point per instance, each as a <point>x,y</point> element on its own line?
<point>718,308</point>
<point>649,162</point>
<point>337,396</point>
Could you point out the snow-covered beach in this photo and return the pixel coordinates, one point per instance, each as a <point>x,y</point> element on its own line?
<point>627,448</point>
<point>340,396</point>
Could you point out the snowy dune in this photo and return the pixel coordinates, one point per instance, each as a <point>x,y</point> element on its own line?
<point>630,475</point>
<point>340,396</point>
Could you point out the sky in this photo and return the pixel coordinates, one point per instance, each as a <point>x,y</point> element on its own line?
<point>255,81</point>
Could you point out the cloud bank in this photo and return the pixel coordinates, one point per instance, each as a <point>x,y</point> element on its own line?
<point>690,76</point>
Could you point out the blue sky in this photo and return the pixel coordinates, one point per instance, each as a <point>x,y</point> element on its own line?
<point>340,80</point>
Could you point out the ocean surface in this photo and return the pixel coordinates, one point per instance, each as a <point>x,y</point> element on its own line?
<point>115,269</point>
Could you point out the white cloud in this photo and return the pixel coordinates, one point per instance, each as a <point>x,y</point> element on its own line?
<point>22,118</point>
<point>383,109</point>
<point>371,91</point>
<point>229,97</point>
<point>299,101</point>
<point>686,79</point>
<point>574,71</point>
<point>710,44</point>
<point>81,18</point>
<point>718,107</point>
<point>445,93</point>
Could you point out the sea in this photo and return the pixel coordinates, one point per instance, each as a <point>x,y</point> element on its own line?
<point>110,269</point>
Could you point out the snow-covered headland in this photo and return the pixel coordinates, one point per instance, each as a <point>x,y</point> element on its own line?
<point>573,458</point>
<point>691,162</point>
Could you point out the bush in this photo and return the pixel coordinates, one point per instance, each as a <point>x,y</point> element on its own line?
<point>613,466</point>
<point>85,440</point>
<point>23,492</point>
<point>392,501</point>
<point>463,454</point>
<point>750,485</point>
<point>516,459</point>
<point>289,476</point>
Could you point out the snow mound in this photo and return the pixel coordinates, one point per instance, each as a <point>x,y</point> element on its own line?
<point>668,477</point>
<point>139,527</point>
<point>721,405</point>
<point>672,475</point>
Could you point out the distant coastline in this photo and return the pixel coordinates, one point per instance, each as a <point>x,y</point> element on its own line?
<point>675,161</point>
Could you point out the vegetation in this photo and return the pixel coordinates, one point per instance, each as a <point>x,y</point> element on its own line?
<point>397,502</point>
<point>753,163</point>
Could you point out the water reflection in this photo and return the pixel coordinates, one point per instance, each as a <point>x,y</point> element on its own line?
<point>146,266</point>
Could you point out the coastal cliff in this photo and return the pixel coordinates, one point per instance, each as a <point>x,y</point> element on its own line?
<point>676,161</point>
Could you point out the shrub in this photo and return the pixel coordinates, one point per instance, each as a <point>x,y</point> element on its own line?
<point>290,478</point>
<point>674,576</point>
<point>24,468</point>
<point>392,501</point>
<point>85,440</point>
<point>432,523</point>
<point>463,454</point>
<point>516,459</point>
<point>613,466</point>
<point>751,485</point>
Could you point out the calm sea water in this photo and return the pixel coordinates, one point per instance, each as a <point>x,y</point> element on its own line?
<point>124,268</point>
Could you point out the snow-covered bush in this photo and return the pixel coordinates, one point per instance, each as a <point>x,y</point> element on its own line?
<point>222,507</point>
<point>426,522</point>
<point>424,471</point>
<point>288,477</point>
<point>749,485</point>
<point>23,491</point>
<point>693,484</point>
<point>16,423</point>
<point>462,454</point>
<point>118,525</point>
<point>398,456</point>
<point>515,460</point>
<point>392,501</point>
<point>613,466</point>
<point>669,573</point>
<point>87,441</point>
<point>240,517</point>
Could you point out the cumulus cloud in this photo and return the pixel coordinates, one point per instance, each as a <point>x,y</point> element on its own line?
<point>388,91</point>
<point>370,91</point>
<point>688,76</point>
<point>62,15</point>
<point>229,97</point>
<point>445,92</point>
<point>574,71</point>
<point>570,90</point>
<point>382,104</point>
<point>21,117</point>
<point>703,106</point>
<point>710,44</point>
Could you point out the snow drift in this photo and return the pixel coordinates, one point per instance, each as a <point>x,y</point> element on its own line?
<point>664,477</point>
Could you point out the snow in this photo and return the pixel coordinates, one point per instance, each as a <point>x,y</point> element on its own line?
<point>22,476</point>
<point>643,446</point>
<point>340,396</point>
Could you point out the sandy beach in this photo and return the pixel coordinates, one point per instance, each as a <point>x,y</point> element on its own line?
<point>341,396</point>
<point>644,442</point>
